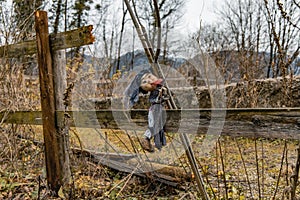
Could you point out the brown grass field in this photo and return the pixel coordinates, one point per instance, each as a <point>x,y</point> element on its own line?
<point>235,168</point>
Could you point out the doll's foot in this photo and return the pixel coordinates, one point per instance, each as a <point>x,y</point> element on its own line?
<point>146,145</point>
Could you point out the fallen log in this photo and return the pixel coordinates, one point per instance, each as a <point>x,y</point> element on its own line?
<point>106,155</point>
<point>136,170</point>
<point>131,163</point>
<point>170,175</point>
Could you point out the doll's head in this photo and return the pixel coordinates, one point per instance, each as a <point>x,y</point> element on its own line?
<point>143,82</point>
<point>149,82</point>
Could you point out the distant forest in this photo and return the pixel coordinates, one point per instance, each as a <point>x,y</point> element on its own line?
<point>264,35</point>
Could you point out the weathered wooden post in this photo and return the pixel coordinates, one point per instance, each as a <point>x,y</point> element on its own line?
<point>62,126</point>
<point>52,75</point>
<point>56,152</point>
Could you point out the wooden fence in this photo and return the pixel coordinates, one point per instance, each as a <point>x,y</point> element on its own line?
<point>260,122</point>
<point>282,123</point>
<point>52,78</point>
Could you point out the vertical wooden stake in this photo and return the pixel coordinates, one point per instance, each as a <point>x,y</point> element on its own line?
<point>62,127</point>
<point>56,165</point>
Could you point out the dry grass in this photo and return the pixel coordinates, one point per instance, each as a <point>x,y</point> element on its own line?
<point>251,168</point>
<point>237,163</point>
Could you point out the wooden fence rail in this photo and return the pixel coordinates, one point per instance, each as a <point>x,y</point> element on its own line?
<point>59,41</point>
<point>283,123</point>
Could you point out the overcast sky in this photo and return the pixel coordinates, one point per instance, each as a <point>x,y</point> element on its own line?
<point>201,9</point>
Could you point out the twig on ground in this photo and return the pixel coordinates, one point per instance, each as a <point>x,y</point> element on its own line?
<point>244,166</point>
<point>223,169</point>
<point>257,169</point>
<point>280,170</point>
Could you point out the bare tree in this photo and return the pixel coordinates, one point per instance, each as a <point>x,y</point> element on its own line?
<point>124,11</point>
<point>24,11</point>
<point>283,34</point>
<point>243,19</point>
<point>157,15</point>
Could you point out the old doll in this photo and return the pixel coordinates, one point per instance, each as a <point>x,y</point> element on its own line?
<point>145,82</point>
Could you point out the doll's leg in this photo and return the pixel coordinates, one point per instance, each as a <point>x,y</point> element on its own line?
<point>159,119</point>
<point>146,141</point>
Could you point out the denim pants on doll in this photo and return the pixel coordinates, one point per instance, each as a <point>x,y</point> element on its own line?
<point>156,122</point>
